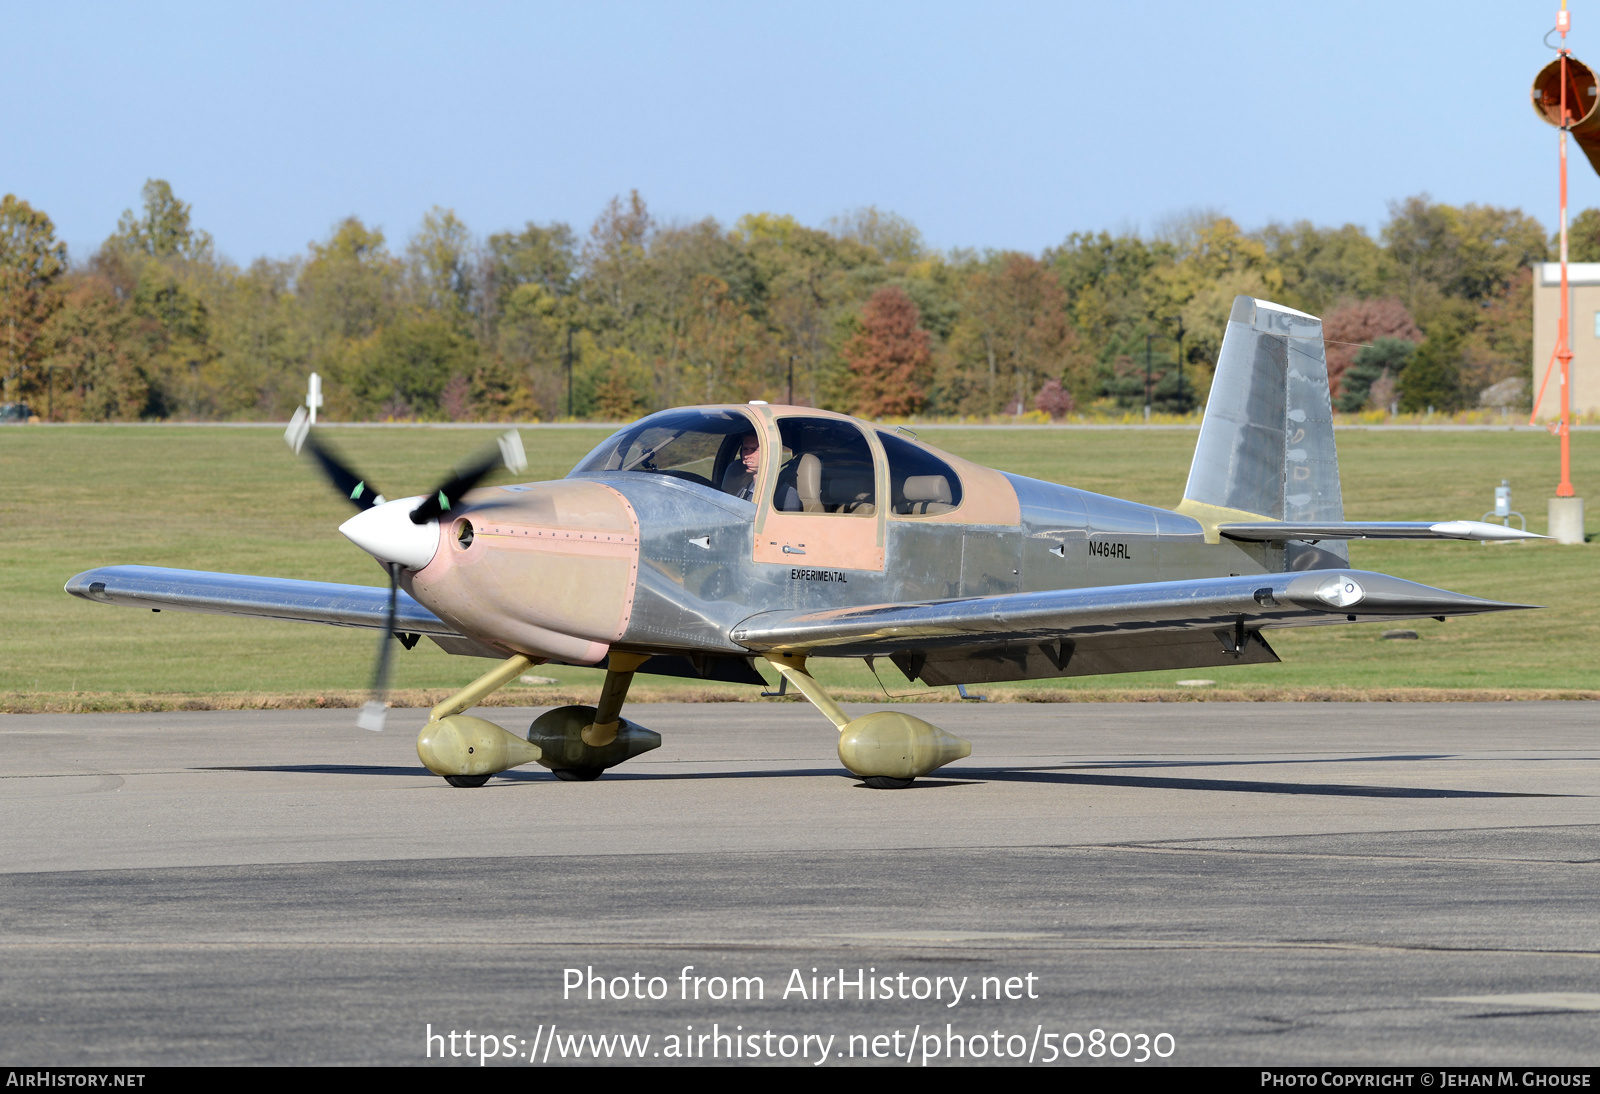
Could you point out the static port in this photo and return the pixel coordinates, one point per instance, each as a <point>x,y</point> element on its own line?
<point>464,534</point>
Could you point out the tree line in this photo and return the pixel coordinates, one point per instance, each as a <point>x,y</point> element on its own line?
<point>859,315</point>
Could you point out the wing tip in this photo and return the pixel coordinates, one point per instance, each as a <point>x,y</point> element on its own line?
<point>1482,531</point>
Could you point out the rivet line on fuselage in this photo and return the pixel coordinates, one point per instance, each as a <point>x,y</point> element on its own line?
<point>506,530</point>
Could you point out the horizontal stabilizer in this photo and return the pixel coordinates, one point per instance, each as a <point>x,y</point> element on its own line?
<point>1308,598</point>
<point>264,597</point>
<point>1280,531</point>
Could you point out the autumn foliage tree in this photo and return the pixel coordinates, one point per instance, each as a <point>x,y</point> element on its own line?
<point>31,263</point>
<point>1357,323</point>
<point>719,348</point>
<point>637,315</point>
<point>1016,324</point>
<point>98,357</point>
<point>889,356</point>
<point>1054,400</point>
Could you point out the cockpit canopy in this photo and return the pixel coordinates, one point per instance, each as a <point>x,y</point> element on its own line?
<point>826,464</point>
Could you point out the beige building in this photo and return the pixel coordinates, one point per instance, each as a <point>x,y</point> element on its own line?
<point>1583,283</point>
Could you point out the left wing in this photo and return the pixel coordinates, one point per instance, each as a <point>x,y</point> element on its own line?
<point>1119,628</point>
<point>1280,530</point>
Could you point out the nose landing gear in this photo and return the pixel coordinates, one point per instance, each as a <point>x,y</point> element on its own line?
<point>577,743</point>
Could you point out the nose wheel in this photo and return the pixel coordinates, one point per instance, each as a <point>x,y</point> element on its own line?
<point>577,743</point>
<point>580,742</point>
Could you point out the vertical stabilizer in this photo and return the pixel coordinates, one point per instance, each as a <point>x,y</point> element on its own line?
<point>1266,441</point>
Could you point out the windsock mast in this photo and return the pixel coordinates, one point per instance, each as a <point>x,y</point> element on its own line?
<point>1564,328</point>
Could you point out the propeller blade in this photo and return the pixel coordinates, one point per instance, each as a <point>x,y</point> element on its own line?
<point>506,451</point>
<point>346,481</point>
<point>375,711</point>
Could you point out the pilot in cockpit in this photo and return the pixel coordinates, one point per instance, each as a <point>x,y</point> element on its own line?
<point>740,478</point>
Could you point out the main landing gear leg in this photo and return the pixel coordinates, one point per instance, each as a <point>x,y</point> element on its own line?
<point>466,750</point>
<point>886,748</point>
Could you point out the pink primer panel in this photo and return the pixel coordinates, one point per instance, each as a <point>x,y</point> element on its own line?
<point>553,568</point>
<point>987,496</point>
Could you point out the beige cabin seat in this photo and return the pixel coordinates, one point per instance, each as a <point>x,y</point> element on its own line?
<point>851,493</point>
<point>808,484</point>
<point>927,495</point>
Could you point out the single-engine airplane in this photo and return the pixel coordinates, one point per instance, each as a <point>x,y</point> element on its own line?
<point>701,541</point>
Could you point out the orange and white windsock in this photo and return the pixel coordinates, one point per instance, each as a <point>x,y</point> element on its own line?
<point>1583,103</point>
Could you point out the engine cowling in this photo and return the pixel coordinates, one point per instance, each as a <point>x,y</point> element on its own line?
<point>547,569</point>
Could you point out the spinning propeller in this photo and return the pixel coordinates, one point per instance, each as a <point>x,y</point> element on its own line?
<point>401,534</point>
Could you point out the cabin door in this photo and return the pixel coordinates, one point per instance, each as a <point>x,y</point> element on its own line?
<point>822,511</point>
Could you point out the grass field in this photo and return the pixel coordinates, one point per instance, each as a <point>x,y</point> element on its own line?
<point>235,499</point>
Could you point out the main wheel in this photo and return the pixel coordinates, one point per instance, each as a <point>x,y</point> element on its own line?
<point>884,782</point>
<point>466,780</point>
<point>578,774</point>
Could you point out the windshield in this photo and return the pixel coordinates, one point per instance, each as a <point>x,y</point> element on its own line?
<point>699,446</point>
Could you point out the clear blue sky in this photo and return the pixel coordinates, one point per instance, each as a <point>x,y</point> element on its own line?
<point>988,125</point>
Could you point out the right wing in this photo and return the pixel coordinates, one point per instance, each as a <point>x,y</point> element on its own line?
<point>160,588</point>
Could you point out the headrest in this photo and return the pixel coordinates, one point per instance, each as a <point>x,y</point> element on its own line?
<point>927,488</point>
<point>808,476</point>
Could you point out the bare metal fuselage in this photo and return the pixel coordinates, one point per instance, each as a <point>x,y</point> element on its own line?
<point>670,568</point>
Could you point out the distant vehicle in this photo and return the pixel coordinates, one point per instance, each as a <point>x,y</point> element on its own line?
<point>14,413</point>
